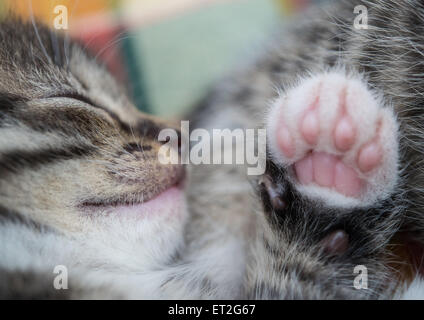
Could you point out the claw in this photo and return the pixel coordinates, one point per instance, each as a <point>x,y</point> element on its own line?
<point>274,194</point>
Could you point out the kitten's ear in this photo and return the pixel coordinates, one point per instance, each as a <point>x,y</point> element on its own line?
<point>336,243</point>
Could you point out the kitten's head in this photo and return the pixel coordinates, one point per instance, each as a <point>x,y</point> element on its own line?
<point>75,154</point>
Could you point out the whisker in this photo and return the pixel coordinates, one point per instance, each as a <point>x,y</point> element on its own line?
<point>55,46</point>
<point>88,43</point>
<point>66,43</point>
<point>112,43</point>
<point>37,34</point>
<point>66,40</point>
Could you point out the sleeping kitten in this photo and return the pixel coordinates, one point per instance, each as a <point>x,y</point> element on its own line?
<point>81,185</point>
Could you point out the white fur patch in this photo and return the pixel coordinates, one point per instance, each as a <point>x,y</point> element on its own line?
<point>414,292</point>
<point>367,112</point>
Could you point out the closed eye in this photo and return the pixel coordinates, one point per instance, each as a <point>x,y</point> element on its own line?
<point>146,126</point>
<point>79,97</point>
<point>86,100</point>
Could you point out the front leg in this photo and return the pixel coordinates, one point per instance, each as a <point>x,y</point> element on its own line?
<point>330,191</point>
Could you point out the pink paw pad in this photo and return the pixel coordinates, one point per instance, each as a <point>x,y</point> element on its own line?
<point>310,127</point>
<point>337,137</point>
<point>344,134</point>
<point>328,171</point>
<point>285,141</point>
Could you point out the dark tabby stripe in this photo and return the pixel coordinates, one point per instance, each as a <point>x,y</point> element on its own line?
<point>30,285</point>
<point>7,105</point>
<point>150,129</point>
<point>11,216</point>
<point>68,121</point>
<point>7,214</point>
<point>14,161</point>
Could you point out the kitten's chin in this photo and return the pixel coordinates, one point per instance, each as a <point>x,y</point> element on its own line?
<point>140,236</point>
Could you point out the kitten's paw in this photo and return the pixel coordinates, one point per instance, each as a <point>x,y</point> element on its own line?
<point>337,140</point>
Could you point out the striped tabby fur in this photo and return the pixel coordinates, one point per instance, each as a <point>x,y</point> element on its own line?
<point>72,145</point>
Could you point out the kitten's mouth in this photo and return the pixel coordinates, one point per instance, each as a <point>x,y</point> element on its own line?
<point>168,197</point>
<point>167,202</point>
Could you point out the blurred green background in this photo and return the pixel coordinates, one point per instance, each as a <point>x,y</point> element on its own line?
<point>182,56</point>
